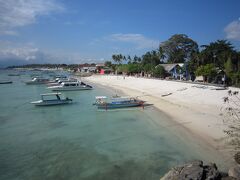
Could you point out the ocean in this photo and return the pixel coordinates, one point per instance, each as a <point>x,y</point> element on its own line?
<point>77,141</point>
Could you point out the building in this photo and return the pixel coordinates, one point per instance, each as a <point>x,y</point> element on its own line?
<point>174,70</point>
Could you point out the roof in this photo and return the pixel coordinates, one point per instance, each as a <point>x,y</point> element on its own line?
<point>169,67</point>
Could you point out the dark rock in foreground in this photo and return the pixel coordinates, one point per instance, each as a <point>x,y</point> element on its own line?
<point>197,171</point>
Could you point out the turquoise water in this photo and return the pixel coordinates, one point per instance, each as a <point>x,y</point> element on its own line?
<point>79,142</point>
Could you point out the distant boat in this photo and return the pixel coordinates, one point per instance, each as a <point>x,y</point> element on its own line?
<point>118,102</point>
<point>50,102</point>
<point>5,82</point>
<point>71,86</point>
<point>37,80</point>
<point>13,74</point>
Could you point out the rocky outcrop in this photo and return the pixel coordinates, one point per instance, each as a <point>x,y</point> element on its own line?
<point>197,171</point>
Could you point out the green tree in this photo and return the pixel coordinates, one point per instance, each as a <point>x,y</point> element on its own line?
<point>151,58</point>
<point>118,58</point>
<point>208,71</point>
<point>108,64</point>
<point>134,68</point>
<point>216,53</point>
<point>179,48</point>
<point>148,68</point>
<point>159,72</point>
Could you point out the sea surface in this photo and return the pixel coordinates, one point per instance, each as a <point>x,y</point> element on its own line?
<point>77,141</point>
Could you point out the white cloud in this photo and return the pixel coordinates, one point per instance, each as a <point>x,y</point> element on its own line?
<point>233,30</point>
<point>139,40</point>
<point>17,13</point>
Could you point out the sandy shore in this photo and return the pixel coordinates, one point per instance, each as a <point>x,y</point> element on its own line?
<point>196,109</point>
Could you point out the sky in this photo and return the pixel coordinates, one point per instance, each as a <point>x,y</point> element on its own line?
<point>78,31</point>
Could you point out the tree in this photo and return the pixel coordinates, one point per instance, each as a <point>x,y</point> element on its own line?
<point>108,64</point>
<point>134,68</point>
<point>159,72</point>
<point>179,48</point>
<point>151,58</point>
<point>217,53</point>
<point>148,68</point>
<point>117,58</point>
<point>208,71</point>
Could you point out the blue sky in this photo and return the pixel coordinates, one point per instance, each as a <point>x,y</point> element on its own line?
<point>76,31</point>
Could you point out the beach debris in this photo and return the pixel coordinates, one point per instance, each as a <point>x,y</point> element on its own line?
<point>167,94</point>
<point>182,89</point>
<point>200,86</point>
<point>220,88</point>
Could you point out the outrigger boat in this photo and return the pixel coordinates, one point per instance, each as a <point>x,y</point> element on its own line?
<point>71,86</point>
<point>118,102</point>
<point>50,102</point>
<point>37,80</point>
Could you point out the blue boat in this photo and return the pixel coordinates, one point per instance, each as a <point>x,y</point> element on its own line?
<point>119,102</point>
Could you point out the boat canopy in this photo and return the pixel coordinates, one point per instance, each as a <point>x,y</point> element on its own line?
<point>122,99</point>
<point>101,97</point>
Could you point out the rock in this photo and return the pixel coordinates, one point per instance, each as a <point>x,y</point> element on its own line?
<point>195,171</point>
<point>234,172</point>
<point>211,172</point>
<point>192,170</point>
<point>237,157</point>
<point>228,178</point>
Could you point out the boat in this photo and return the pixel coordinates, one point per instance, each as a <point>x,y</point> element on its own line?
<point>37,80</point>
<point>71,86</point>
<point>58,81</point>
<point>14,74</point>
<point>5,82</point>
<point>118,102</point>
<point>49,102</point>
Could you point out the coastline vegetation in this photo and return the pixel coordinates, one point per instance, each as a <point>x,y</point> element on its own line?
<point>219,57</point>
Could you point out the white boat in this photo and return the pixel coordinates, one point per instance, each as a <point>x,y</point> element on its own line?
<point>117,102</point>
<point>58,81</point>
<point>71,86</point>
<point>37,80</point>
<point>49,102</point>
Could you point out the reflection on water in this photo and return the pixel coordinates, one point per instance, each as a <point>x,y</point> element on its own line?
<point>78,142</point>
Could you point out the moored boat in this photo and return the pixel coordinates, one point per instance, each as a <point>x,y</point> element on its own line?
<point>37,80</point>
<point>71,86</point>
<point>118,102</point>
<point>49,102</point>
<point>6,82</point>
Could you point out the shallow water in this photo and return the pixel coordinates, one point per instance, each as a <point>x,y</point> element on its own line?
<point>79,142</point>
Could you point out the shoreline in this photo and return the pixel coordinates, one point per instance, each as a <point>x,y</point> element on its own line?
<point>200,116</point>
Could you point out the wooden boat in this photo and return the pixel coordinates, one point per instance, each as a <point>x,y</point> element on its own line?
<point>71,86</point>
<point>51,102</point>
<point>119,102</point>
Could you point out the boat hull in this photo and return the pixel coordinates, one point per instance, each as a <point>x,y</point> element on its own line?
<point>5,82</point>
<point>51,102</point>
<point>35,83</point>
<point>117,106</point>
<point>70,88</point>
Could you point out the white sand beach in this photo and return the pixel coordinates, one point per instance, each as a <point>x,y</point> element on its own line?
<point>196,109</point>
